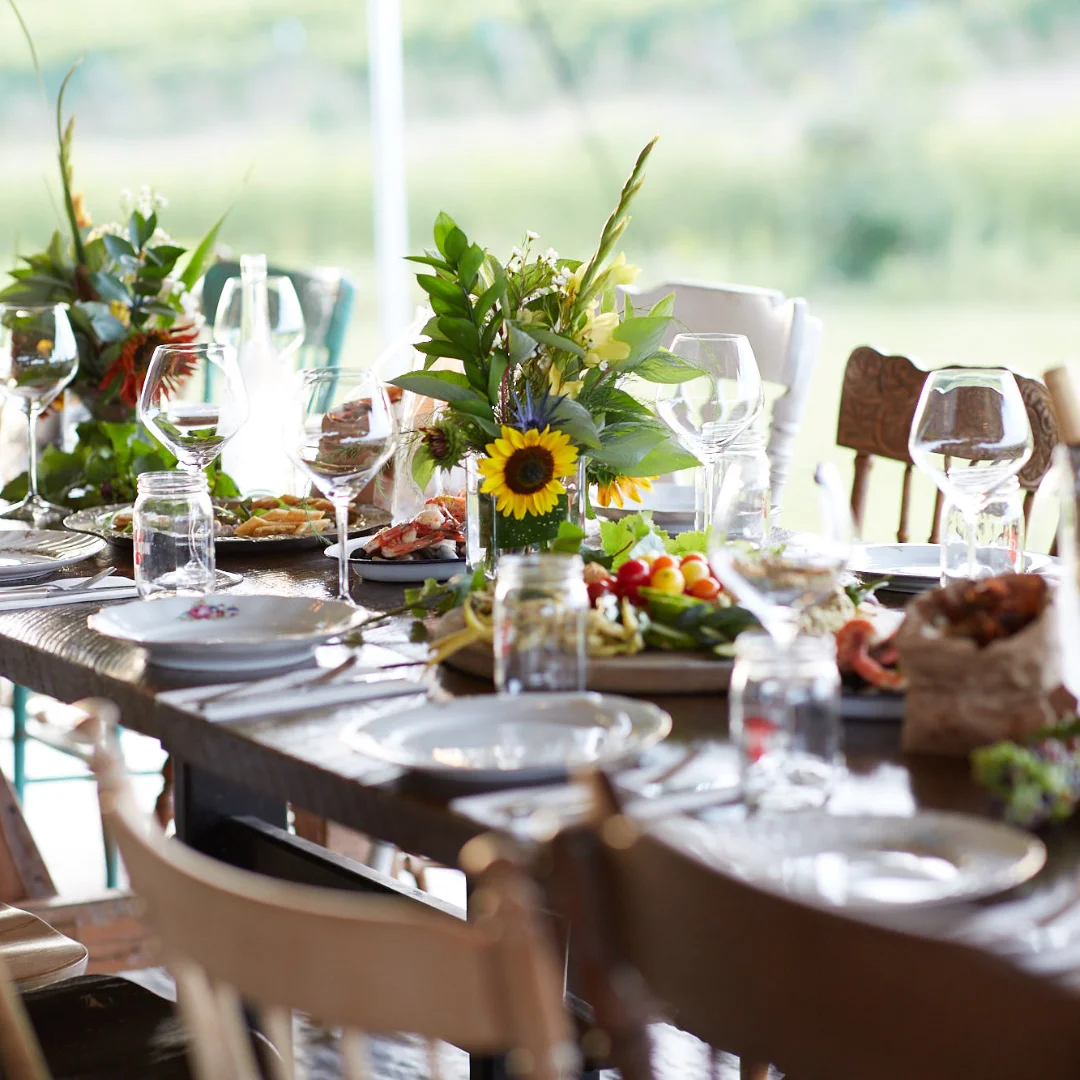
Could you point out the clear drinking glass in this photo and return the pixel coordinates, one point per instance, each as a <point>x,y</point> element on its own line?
<point>999,536</point>
<point>287,327</point>
<point>784,717</point>
<point>341,434</point>
<point>784,574</point>
<point>709,412</point>
<point>970,434</point>
<point>174,535</point>
<point>541,604</point>
<point>38,358</point>
<point>1067,598</point>
<point>193,401</point>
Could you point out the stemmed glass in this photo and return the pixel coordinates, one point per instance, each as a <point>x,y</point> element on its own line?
<point>287,327</point>
<point>341,434</point>
<point>711,411</point>
<point>38,358</point>
<point>970,434</point>
<point>780,576</point>
<point>194,401</point>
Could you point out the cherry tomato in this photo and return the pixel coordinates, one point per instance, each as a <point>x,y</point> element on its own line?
<point>694,571</point>
<point>634,572</point>
<point>665,562</point>
<point>694,556</point>
<point>706,588</point>
<point>668,579</point>
<point>600,588</point>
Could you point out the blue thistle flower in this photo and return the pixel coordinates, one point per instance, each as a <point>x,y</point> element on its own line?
<point>533,412</point>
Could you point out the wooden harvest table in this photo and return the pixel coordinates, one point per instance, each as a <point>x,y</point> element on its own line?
<point>235,780</point>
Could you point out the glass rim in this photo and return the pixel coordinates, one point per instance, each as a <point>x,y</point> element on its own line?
<point>711,336</point>
<point>7,305</point>
<point>173,480</point>
<point>758,646</point>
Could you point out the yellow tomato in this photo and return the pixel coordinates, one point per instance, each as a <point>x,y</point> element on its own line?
<point>694,571</point>
<point>668,580</point>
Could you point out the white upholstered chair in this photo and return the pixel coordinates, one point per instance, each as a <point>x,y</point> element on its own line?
<point>785,338</point>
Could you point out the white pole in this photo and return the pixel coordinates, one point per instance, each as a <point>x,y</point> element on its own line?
<point>388,166</point>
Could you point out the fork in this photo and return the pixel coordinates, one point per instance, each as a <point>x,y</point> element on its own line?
<point>55,588</point>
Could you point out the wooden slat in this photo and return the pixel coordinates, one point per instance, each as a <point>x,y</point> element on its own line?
<point>23,873</point>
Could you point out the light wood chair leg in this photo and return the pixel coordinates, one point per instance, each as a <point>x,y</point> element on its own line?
<point>753,1070</point>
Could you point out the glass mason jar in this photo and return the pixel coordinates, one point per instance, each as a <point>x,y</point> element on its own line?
<point>755,489</point>
<point>541,606</point>
<point>999,536</point>
<point>489,535</point>
<point>784,718</point>
<point>174,535</point>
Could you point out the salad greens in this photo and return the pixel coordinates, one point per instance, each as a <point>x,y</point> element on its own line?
<point>636,535</point>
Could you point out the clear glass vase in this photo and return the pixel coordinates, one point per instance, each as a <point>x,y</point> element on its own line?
<point>489,534</point>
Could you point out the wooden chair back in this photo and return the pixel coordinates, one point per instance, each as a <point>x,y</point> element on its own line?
<point>877,405</point>
<point>820,995</point>
<point>491,984</point>
<point>785,337</point>
<point>20,1053</point>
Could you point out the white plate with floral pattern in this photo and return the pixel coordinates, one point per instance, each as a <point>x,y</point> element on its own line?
<point>227,633</point>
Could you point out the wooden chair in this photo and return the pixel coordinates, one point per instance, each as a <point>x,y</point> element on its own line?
<point>489,985</point>
<point>35,954</point>
<point>877,404</point>
<point>821,995</point>
<point>785,338</point>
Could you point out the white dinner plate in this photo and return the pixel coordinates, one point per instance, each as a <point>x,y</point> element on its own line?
<point>672,508</point>
<point>916,567</point>
<point>225,632</point>
<point>866,862</point>
<point>491,738</point>
<point>32,554</point>
<point>402,570</point>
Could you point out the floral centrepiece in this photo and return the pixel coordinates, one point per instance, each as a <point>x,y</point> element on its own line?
<point>535,361</point>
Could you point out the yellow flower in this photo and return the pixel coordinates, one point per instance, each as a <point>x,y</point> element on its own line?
<point>623,487</point>
<point>597,339</point>
<point>45,347</point>
<point>119,310</point>
<point>622,272</point>
<point>82,215</point>
<point>523,470</point>
<point>565,387</point>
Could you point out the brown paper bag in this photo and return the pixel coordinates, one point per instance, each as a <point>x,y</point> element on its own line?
<point>960,695</point>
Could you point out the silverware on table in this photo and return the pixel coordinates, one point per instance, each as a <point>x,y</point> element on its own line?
<point>55,588</point>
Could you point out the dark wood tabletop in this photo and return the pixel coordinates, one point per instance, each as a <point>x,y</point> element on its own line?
<point>302,760</point>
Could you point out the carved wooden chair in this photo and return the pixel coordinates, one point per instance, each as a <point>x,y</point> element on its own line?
<point>785,337</point>
<point>662,934</point>
<point>877,404</point>
<point>489,985</point>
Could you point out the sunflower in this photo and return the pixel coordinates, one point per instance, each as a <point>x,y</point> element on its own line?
<point>523,470</point>
<point>623,487</point>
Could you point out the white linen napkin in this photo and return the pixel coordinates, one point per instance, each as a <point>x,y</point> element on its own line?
<point>285,694</point>
<point>113,587</point>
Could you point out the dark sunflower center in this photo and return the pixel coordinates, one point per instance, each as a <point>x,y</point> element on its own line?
<point>529,470</point>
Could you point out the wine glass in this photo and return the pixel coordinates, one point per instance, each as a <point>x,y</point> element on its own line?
<point>970,434</point>
<point>38,358</point>
<point>287,327</point>
<point>341,434</point>
<point>193,401</point>
<point>710,411</point>
<point>779,576</point>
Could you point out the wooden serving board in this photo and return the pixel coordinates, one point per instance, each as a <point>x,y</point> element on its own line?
<point>648,672</point>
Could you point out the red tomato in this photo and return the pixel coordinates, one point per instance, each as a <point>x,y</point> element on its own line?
<point>707,588</point>
<point>597,589</point>
<point>634,573</point>
<point>665,562</point>
<point>757,734</point>
<point>694,556</point>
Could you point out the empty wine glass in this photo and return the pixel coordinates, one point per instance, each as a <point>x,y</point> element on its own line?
<point>341,434</point>
<point>287,327</point>
<point>193,401</point>
<point>970,434</point>
<point>38,358</point>
<point>711,411</point>
<point>780,576</point>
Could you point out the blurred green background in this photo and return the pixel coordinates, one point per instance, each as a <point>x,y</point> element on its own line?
<point>912,167</point>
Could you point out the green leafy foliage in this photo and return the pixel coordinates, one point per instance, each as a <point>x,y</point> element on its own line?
<point>104,468</point>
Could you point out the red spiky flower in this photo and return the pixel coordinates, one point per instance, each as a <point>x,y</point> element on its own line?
<point>129,367</point>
